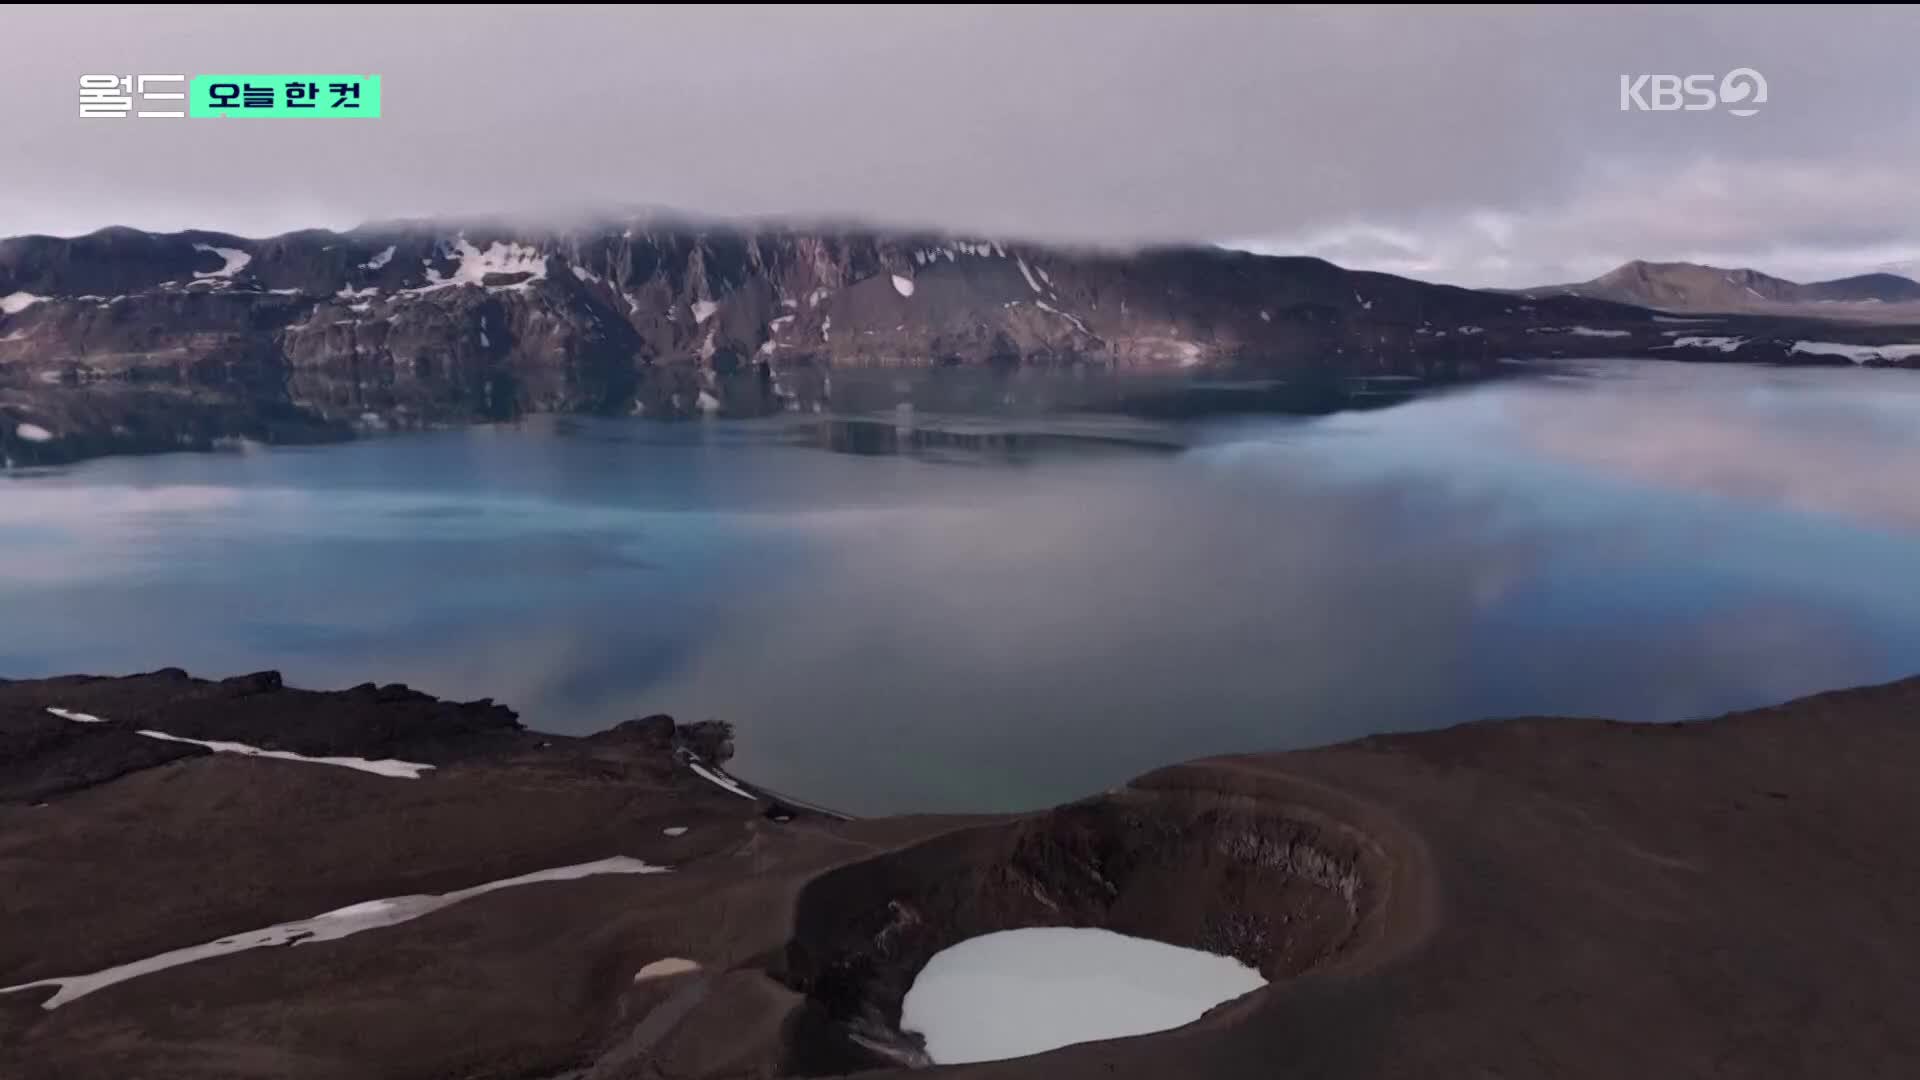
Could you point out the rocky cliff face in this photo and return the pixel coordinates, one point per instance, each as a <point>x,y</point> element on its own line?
<point>313,333</point>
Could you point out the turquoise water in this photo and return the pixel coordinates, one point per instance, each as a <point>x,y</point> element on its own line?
<point>1648,541</point>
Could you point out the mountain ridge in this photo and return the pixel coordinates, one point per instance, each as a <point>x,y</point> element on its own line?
<point>106,338</point>
<point>1699,288</point>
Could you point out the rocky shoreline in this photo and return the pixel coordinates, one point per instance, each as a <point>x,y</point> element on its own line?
<point>1519,897</point>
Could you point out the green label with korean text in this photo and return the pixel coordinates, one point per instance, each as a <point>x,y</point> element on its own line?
<point>330,97</point>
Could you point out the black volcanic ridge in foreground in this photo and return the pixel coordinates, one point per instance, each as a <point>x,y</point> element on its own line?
<point>1524,897</point>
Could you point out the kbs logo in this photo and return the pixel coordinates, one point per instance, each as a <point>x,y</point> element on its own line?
<point>1744,88</point>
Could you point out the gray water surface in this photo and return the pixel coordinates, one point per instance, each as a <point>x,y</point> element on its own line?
<point>1646,541</point>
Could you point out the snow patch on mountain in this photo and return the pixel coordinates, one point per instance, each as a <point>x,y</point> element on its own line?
<point>475,265</point>
<point>1724,344</point>
<point>1074,319</point>
<point>236,261</point>
<point>1028,274</point>
<point>1859,354</point>
<point>329,926</point>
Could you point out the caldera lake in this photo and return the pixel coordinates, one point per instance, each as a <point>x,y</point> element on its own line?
<point>980,615</point>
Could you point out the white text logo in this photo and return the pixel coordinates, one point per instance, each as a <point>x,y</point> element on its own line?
<point>1741,91</point>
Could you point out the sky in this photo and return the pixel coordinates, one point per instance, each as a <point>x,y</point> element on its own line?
<point>1477,146</point>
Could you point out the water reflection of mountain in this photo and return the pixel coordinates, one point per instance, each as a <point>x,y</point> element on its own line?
<point>964,437</point>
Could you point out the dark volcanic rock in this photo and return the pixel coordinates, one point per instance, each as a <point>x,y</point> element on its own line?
<point>1516,898</point>
<point>42,755</point>
<point>654,731</point>
<point>1278,889</point>
<point>366,721</point>
<point>710,740</point>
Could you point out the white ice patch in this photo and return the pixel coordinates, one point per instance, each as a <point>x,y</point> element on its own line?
<point>32,432</point>
<point>703,310</point>
<point>708,403</point>
<point>351,293</point>
<point>826,328</point>
<point>379,260</point>
<point>780,323</point>
<point>720,779</point>
<point>1724,344</point>
<point>498,258</point>
<point>585,274</point>
<point>15,303</point>
<point>1022,992</point>
<point>331,926</point>
<point>408,770</point>
<point>1859,354</point>
<point>1471,330</point>
<point>1365,305</point>
<point>1042,271</point>
<point>815,297</point>
<point>1585,331</point>
<point>675,830</point>
<point>77,717</point>
<point>902,285</point>
<point>1266,316</point>
<point>1028,274</point>
<point>1043,306</point>
<point>484,342</point>
<point>236,260</point>
<point>660,969</point>
<point>1189,354</point>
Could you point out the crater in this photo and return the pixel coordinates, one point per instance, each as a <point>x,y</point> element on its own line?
<point>1280,884</point>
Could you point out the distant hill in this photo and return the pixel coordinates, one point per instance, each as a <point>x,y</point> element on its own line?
<point>1694,288</point>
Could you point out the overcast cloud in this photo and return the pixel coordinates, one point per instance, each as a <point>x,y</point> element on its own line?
<point>1483,147</point>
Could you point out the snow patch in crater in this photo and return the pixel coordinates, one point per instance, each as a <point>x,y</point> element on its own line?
<point>1020,992</point>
